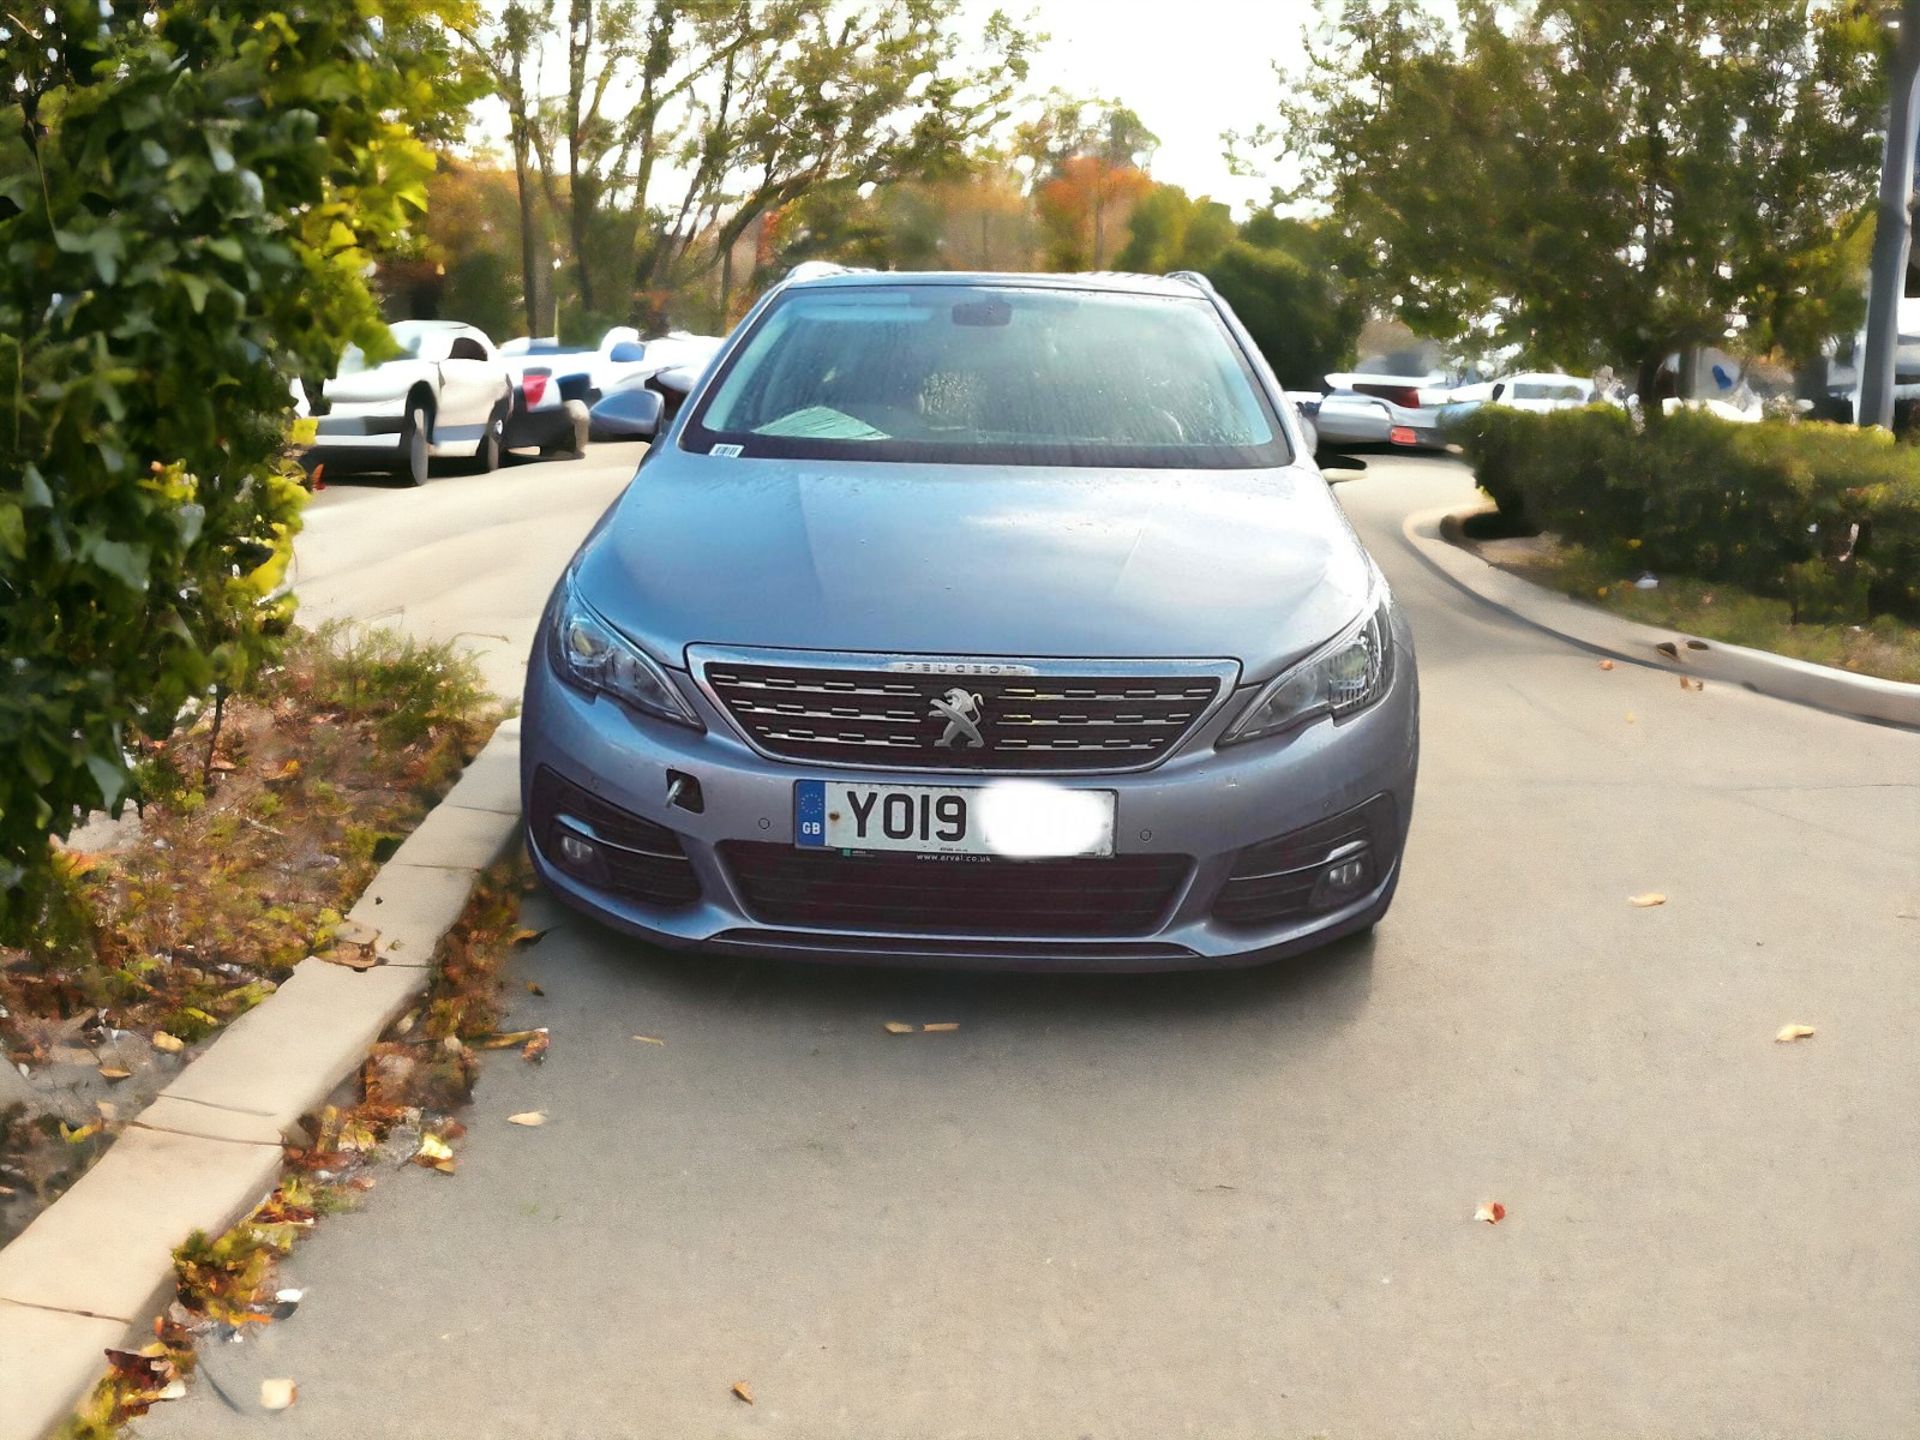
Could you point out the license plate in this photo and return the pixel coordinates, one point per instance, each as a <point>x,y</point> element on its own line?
<point>1024,819</point>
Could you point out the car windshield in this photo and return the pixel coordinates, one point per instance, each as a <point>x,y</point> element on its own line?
<point>408,337</point>
<point>991,375</point>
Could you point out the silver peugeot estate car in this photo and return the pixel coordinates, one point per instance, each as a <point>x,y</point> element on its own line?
<point>976,620</point>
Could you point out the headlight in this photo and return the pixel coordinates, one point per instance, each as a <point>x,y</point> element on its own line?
<point>591,654</point>
<point>1347,674</point>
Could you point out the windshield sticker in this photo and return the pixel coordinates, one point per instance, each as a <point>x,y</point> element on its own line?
<point>727,452</point>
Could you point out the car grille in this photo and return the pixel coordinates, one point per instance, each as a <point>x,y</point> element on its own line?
<point>876,717</point>
<point>637,858</point>
<point>1275,881</point>
<point>1124,895</point>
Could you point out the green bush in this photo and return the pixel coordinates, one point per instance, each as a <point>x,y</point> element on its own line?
<point>1826,516</point>
<point>189,195</point>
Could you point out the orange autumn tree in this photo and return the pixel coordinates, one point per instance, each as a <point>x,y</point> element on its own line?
<point>1089,159</point>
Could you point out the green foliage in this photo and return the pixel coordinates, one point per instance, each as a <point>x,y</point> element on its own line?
<point>1772,507</point>
<point>1598,181</point>
<point>407,687</point>
<point>189,197</point>
<point>1169,230</point>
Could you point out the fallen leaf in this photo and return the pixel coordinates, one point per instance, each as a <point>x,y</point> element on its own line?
<point>533,989</point>
<point>743,1390</point>
<point>277,1394</point>
<point>1789,1033</point>
<point>899,1027</point>
<point>1648,900</point>
<point>526,937</point>
<point>108,1111</point>
<point>172,1044</point>
<point>354,957</point>
<point>528,1117</point>
<point>147,1372</point>
<point>649,1040</point>
<point>536,1048</point>
<point>435,1154</point>
<point>940,1027</point>
<point>1687,682</point>
<point>1631,717</point>
<point>503,1039</point>
<point>113,1072</point>
<point>1491,1211</point>
<point>1606,664</point>
<point>220,765</point>
<point>85,1132</point>
<point>174,1390</point>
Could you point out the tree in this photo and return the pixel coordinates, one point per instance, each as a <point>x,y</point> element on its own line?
<point>1169,230</point>
<point>190,196</point>
<point>1089,158</point>
<point>510,52</point>
<point>1597,180</point>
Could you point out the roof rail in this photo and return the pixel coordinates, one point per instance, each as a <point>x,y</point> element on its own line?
<point>1193,278</point>
<point>819,269</point>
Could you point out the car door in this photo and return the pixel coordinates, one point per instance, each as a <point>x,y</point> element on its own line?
<point>471,386</point>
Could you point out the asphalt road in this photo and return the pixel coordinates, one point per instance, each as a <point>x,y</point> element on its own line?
<point>464,557</point>
<point>1220,1206</point>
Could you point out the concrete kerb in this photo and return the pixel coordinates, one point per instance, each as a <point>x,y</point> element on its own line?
<point>92,1269</point>
<point>1864,697</point>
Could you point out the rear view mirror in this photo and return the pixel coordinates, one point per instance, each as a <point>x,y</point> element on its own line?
<point>627,415</point>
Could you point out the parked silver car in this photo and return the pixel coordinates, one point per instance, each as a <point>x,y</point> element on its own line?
<point>976,620</point>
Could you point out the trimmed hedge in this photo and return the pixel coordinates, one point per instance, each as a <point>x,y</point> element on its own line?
<point>1770,507</point>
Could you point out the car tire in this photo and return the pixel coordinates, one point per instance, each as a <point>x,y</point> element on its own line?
<point>413,446</point>
<point>492,444</point>
<point>577,424</point>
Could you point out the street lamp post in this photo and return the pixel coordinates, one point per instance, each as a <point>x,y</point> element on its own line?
<point>556,289</point>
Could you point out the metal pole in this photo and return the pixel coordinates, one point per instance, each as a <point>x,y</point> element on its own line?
<point>1893,227</point>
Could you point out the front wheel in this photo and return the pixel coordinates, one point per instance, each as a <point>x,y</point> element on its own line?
<point>413,447</point>
<point>492,445</point>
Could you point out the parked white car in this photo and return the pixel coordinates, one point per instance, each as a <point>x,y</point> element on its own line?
<point>447,394</point>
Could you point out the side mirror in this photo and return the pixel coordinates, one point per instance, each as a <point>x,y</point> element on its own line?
<point>627,415</point>
<point>627,352</point>
<point>1331,460</point>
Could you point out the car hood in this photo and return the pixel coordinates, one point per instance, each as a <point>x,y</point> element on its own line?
<point>1257,566</point>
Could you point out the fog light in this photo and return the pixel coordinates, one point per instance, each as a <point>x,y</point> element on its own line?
<point>1347,875</point>
<point>576,853</point>
<point>1344,878</point>
<point>1403,435</point>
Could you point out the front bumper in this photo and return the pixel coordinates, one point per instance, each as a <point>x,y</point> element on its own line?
<point>1204,803</point>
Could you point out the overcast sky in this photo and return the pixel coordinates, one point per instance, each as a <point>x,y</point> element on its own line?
<point>1190,68</point>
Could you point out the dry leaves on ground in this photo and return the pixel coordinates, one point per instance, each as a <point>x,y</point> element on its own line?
<point>528,1117</point>
<point>1687,682</point>
<point>1606,664</point>
<point>1648,900</point>
<point>1491,1211</point>
<point>435,1154</point>
<point>171,1044</point>
<point>536,1048</point>
<point>743,1391</point>
<point>278,1394</point>
<point>649,1039</point>
<point>899,1027</point>
<point>1789,1033</point>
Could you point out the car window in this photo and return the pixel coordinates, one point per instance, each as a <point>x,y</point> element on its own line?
<point>991,374</point>
<point>465,347</point>
<point>1539,390</point>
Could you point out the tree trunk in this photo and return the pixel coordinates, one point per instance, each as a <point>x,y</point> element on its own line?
<point>1893,228</point>
<point>1646,384</point>
<point>579,199</point>
<point>529,256</point>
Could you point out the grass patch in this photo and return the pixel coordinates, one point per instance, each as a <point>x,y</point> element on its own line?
<point>254,838</point>
<point>1713,610</point>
